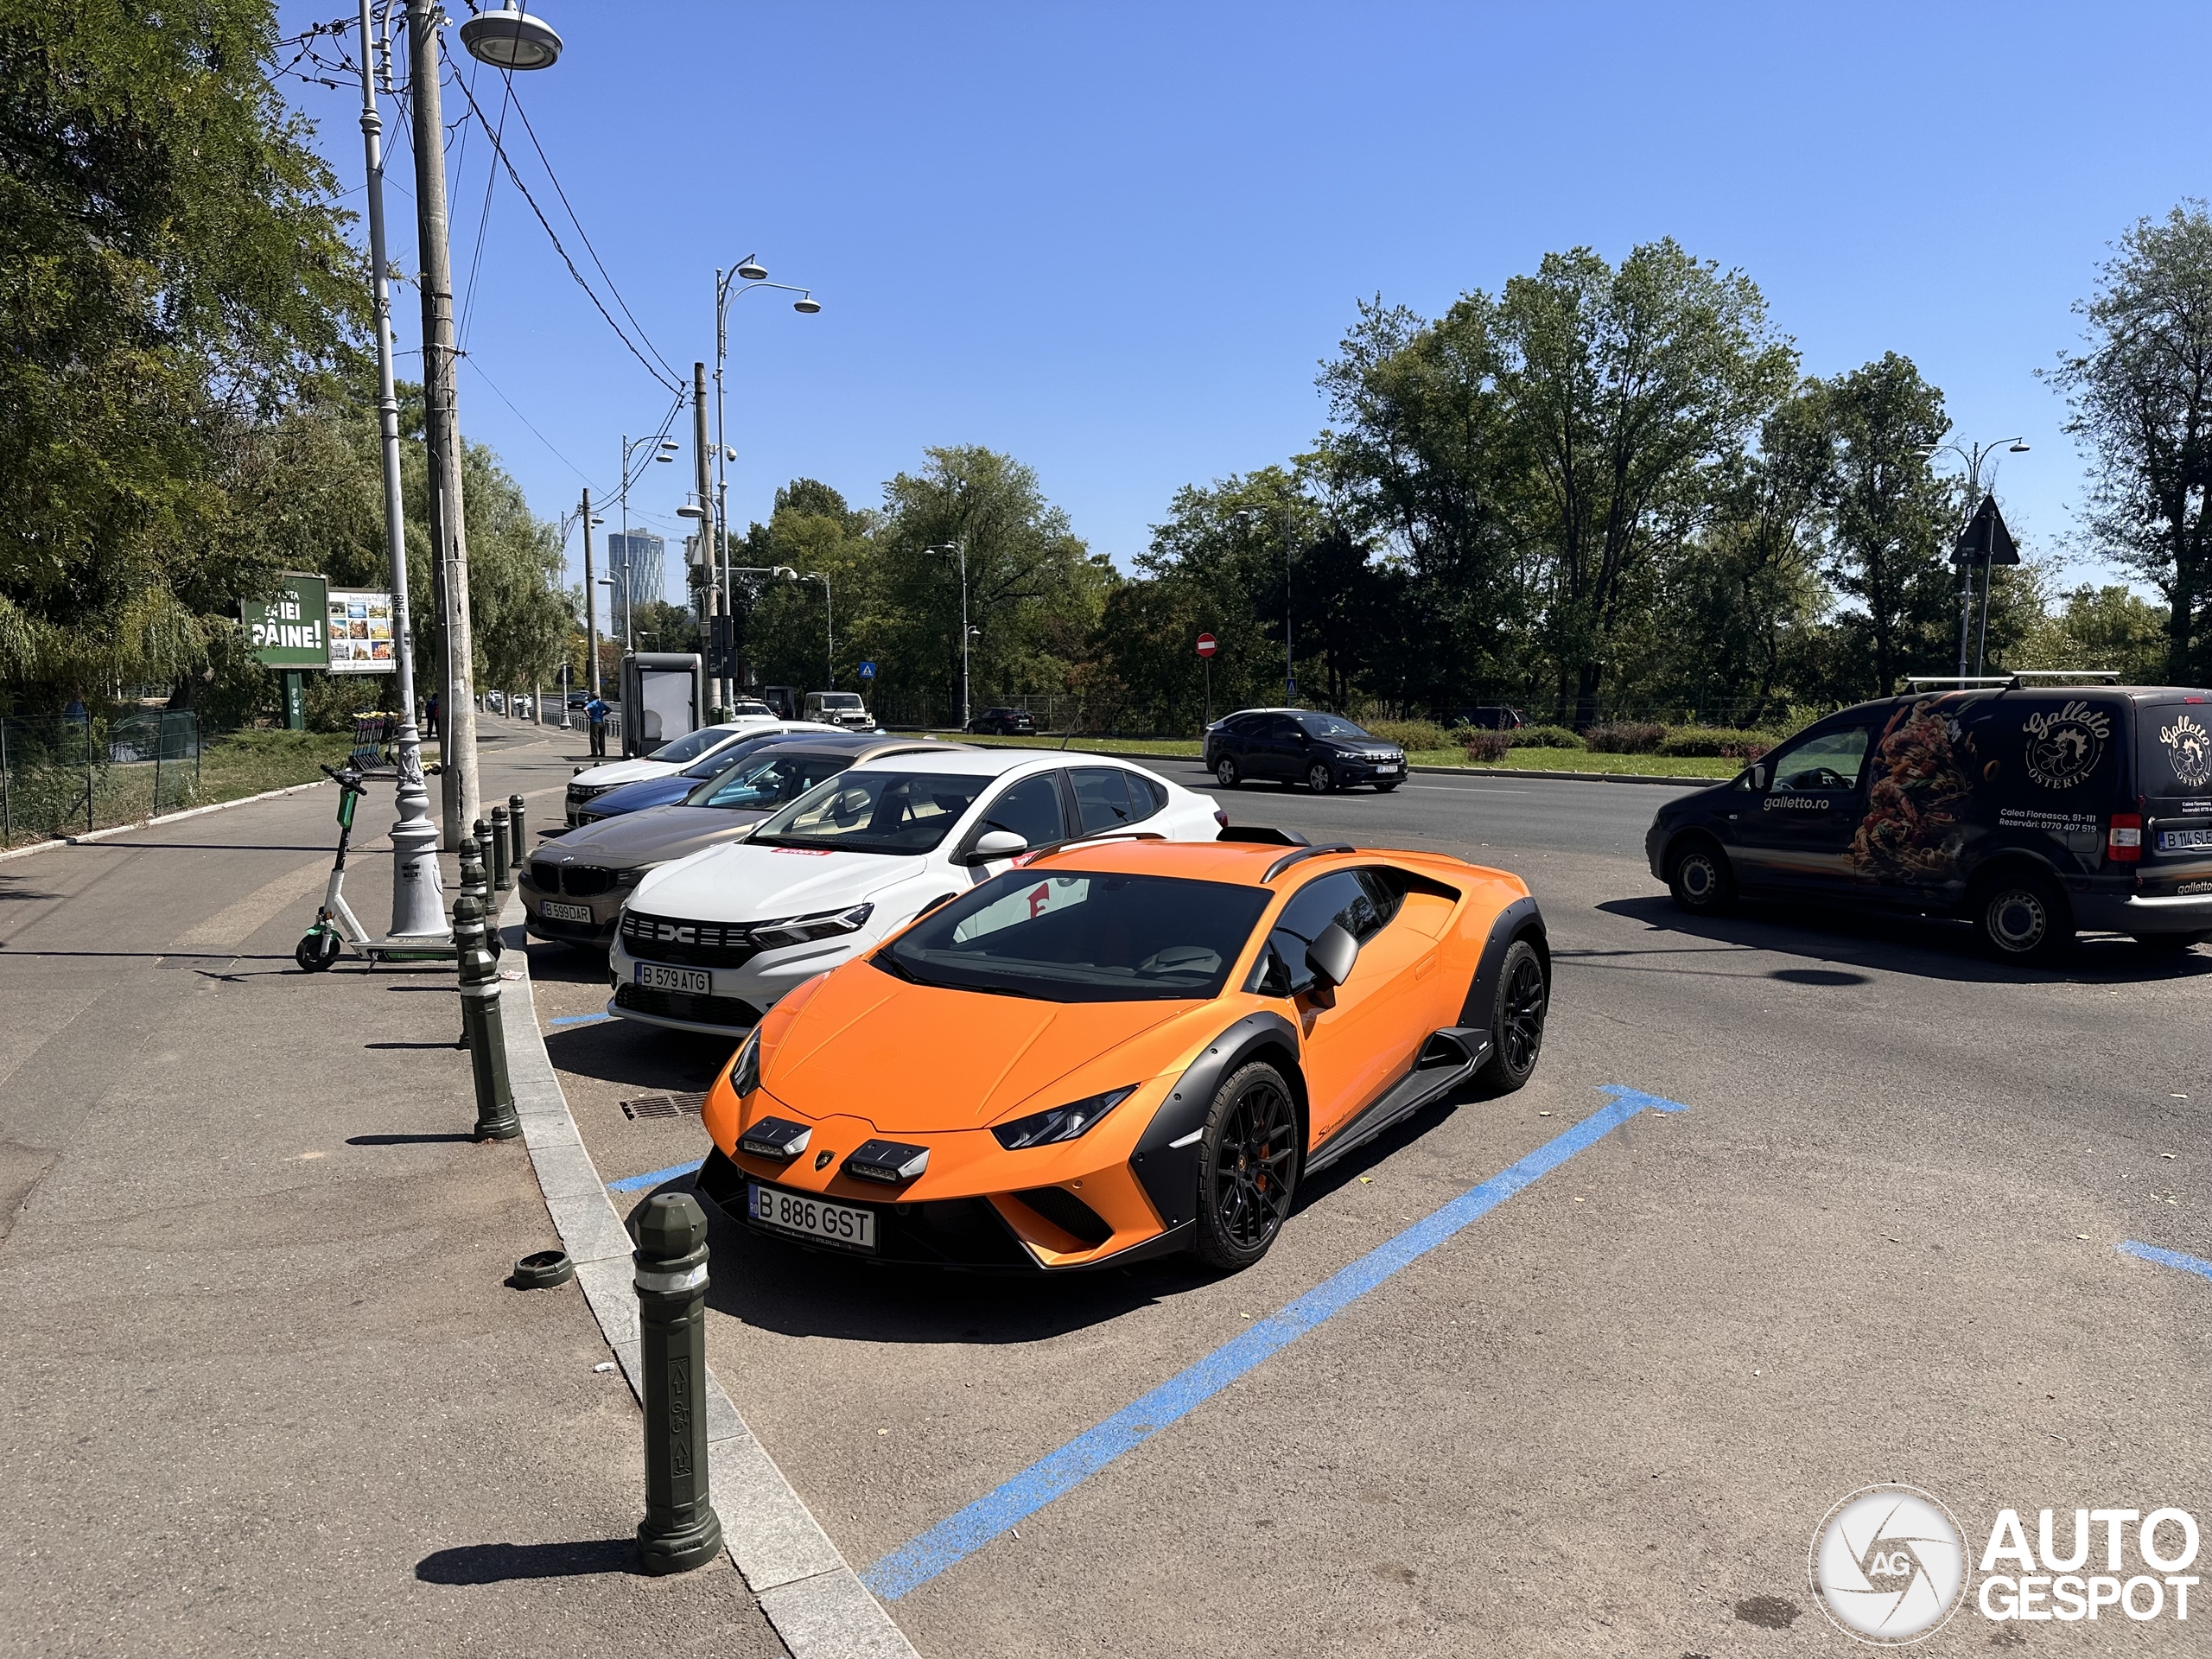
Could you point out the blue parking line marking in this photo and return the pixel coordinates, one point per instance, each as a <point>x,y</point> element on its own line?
<point>919,1560</point>
<point>654,1177</point>
<point>579,1020</point>
<point>2195,1264</point>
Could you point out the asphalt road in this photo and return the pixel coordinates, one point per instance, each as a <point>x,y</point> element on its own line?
<point>1879,1244</point>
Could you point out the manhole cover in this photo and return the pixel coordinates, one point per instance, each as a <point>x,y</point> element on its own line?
<point>665,1106</point>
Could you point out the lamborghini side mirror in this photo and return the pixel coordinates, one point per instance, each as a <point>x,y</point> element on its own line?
<point>1331,958</point>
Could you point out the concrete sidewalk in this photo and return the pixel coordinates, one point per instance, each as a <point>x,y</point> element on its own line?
<point>266,1391</point>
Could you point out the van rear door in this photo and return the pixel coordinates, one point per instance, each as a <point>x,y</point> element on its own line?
<point>2173,750</point>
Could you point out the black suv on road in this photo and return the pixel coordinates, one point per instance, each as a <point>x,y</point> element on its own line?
<point>1004,723</point>
<point>1323,752</point>
<point>2031,811</point>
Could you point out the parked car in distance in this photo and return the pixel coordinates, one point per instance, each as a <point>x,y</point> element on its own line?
<point>745,706</point>
<point>782,701</point>
<point>595,781</point>
<point>677,787</point>
<point>708,944</point>
<point>1489,717</point>
<point>496,702</point>
<point>1004,723</point>
<point>572,888</point>
<point>1323,752</point>
<point>2031,810</point>
<point>840,709</point>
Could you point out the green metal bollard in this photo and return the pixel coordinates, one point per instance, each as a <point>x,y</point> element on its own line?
<point>518,848</point>
<point>479,1018</point>
<point>681,1529</point>
<point>501,850</point>
<point>473,886</point>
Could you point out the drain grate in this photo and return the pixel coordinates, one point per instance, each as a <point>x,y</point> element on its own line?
<point>665,1106</point>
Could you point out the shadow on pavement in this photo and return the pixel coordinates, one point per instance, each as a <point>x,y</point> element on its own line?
<point>1927,947</point>
<point>406,1139</point>
<point>645,1057</point>
<point>498,1563</point>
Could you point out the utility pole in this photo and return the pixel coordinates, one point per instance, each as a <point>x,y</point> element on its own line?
<point>591,601</point>
<point>417,887</point>
<point>704,468</point>
<point>442,419</point>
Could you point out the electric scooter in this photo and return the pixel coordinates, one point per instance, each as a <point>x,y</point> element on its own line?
<point>336,927</point>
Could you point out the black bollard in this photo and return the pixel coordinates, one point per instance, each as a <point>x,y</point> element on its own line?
<point>681,1529</point>
<point>518,848</point>
<point>502,849</point>
<point>479,1019</point>
<point>478,886</point>
<point>473,886</point>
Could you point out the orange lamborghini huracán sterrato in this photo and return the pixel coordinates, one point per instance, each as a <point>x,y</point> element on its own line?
<point>1125,1048</point>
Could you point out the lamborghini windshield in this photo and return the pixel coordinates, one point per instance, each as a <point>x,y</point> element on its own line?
<point>870,811</point>
<point>1081,939</point>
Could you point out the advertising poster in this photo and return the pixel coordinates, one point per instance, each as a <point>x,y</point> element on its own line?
<point>288,630</point>
<point>361,632</point>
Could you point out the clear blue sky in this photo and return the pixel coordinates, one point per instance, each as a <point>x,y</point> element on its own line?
<point>1115,241</point>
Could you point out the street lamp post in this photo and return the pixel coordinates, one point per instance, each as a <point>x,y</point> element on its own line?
<point>417,887</point>
<point>1973,458</point>
<point>666,452</point>
<point>748,273</point>
<point>967,634</point>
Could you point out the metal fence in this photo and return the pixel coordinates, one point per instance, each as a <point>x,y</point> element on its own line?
<point>64,777</point>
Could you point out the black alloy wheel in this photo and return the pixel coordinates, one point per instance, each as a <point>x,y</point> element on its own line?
<point>1517,1027</point>
<point>1226,772</point>
<point>1699,878</point>
<point>2021,915</point>
<point>1248,1168</point>
<point>1319,779</point>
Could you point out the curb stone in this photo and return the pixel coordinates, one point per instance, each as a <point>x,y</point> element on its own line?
<point>810,1594</point>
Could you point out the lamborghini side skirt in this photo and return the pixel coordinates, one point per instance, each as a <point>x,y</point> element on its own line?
<point>1450,1057</point>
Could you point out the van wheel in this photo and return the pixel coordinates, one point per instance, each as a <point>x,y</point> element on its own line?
<point>1699,878</point>
<point>2023,916</point>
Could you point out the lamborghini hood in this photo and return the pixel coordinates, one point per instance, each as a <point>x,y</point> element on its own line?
<point>915,1058</point>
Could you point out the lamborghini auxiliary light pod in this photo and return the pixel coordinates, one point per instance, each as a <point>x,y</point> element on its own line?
<point>775,1137</point>
<point>891,1163</point>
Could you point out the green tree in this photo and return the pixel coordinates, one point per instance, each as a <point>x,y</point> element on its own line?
<point>1628,389</point>
<point>2141,397</point>
<point>173,273</point>
<point>1889,515</point>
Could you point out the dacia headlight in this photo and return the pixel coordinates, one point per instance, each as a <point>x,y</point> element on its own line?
<point>745,1070</point>
<point>799,930</point>
<point>1061,1123</point>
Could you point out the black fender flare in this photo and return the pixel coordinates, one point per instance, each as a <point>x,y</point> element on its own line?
<point>1169,1172</point>
<point>1521,919</point>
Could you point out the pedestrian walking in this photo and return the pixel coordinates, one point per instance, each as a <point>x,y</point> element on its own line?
<point>595,712</point>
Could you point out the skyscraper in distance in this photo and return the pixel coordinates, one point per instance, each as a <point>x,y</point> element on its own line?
<point>634,565</point>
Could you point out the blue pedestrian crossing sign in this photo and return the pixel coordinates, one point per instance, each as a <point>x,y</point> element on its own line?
<point>867,670</point>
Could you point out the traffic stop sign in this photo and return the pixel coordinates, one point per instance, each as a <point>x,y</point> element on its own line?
<point>1205,645</point>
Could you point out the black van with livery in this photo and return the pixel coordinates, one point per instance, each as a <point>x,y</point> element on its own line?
<point>2032,810</point>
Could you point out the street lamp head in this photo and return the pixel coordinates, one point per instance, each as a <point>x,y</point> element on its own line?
<point>753,272</point>
<point>669,444</point>
<point>2019,446</point>
<point>509,39</point>
<point>783,572</point>
<point>806,304</point>
<point>664,457</point>
<point>691,510</point>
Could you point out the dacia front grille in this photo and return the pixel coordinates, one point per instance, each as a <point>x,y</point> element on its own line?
<point>731,1011</point>
<point>691,945</point>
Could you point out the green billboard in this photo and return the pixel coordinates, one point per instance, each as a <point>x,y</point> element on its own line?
<point>289,629</point>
